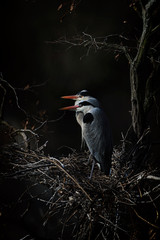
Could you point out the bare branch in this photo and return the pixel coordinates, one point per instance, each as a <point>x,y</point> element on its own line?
<point>15,94</point>
<point>151,177</point>
<point>90,42</point>
<point>146,221</point>
<point>2,100</point>
<point>29,87</point>
<point>25,131</point>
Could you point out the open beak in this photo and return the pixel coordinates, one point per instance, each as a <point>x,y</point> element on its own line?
<point>73,97</point>
<point>70,107</point>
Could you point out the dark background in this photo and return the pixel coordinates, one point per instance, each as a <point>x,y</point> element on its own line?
<point>28,60</point>
<point>41,72</point>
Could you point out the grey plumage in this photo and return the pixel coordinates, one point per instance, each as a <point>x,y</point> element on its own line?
<point>96,132</point>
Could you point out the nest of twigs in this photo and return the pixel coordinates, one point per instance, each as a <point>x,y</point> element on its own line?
<point>124,205</point>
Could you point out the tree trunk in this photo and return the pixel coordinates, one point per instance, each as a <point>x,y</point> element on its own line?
<point>137,84</point>
<point>137,111</point>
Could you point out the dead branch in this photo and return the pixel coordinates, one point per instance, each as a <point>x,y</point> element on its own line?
<point>104,201</point>
<point>14,92</point>
<point>153,177</point>
<point>2,100</point>
<point>143,219</point>
<point>91,43</point>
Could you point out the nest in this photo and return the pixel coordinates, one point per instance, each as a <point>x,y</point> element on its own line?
<point>122,205</point>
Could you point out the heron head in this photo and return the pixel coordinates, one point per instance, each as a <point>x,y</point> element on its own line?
<point>81,105</point>
<point>83,95</point>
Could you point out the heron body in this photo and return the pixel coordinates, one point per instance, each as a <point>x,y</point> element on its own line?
<point>96,133</point>
<point>95,128</point>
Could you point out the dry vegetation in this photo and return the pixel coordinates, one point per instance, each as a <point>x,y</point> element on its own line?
<point>122,205</point>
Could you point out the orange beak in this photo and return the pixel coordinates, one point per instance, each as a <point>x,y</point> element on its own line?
<point>70,107</point>
<point>73,97</point>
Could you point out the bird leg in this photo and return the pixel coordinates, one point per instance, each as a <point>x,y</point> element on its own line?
<point>93,163</point>
<point>89,159</point>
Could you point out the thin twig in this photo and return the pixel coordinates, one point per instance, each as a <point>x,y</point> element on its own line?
<point>2,100</point>
<point>79,186</point>
<point>146,221</point>
<point>107,220</point>
<point>15,94</point>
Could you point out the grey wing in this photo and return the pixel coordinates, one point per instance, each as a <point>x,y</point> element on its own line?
<point>98,138</point>
<point>97,134</point>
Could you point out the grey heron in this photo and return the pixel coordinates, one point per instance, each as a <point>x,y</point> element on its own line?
<point>85,96</point>
<point>95,128</point>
